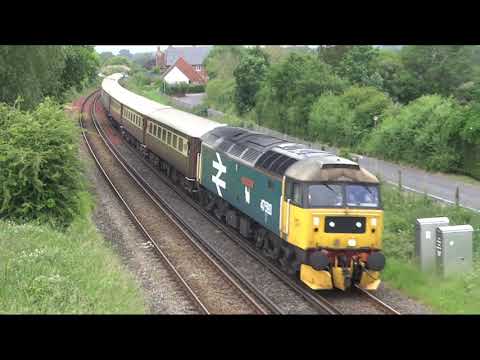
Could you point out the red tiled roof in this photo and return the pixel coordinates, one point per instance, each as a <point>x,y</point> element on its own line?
<point>188,70</point>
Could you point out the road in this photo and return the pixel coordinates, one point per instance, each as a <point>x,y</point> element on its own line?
<point>191,100</point>
<point>437,185</point>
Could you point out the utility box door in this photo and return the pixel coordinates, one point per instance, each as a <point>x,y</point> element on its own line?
<point>425,241</point>
<point>454,247</point>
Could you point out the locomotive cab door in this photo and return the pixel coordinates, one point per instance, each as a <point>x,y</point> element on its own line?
<point>292,212</point>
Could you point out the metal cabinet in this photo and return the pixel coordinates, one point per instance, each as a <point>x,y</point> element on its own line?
<point>425,241</point>
<point>454,249</point>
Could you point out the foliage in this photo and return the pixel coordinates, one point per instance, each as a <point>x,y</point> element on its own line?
<point>40,175</point>
<point>436,69</point>
<point>222,61</point>
<point>424,132</point>
<point>289,90</point>
<point>34,72</point>
<point>333,54</point>
<point>220,93</point>
<point>104,56</point>
<point>358,66</point>
<point>118,60</point>
<point>47,271</point>
<point>452,295</point>
<point>81,64</point>
<point>249,74</point>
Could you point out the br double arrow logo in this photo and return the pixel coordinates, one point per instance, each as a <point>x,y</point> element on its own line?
<point>221,170</point>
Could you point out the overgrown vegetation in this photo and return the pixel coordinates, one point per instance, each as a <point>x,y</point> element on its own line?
<point>421,101</point>
<point>459,294</point>
<point>47,271</point>
<point>40,177</point>
<point>35,72</point>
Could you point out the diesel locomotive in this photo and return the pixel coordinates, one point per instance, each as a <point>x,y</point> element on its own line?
<point>317,214</point>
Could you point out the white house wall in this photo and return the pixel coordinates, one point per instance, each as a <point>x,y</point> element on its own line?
<point>175,76</point>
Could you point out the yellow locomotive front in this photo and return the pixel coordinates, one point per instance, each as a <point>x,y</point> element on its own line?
<point>331,212</point>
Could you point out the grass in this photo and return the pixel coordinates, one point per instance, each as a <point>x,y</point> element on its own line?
<point>46,271</point>
<point>455,295</point>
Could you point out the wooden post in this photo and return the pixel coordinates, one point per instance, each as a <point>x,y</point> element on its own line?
<point>457,196</point>
<point>400,180</point>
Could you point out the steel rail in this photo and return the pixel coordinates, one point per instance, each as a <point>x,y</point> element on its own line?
<point>378,301</point>
<point>314,299</point>
<point>137,222</point>
<point>232,275</point>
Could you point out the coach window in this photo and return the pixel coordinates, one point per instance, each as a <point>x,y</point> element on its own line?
<point>174,142</point>
<point>169,138</point>
<point>164,135</point>
<point>180,144</point>
<point>149,127</point>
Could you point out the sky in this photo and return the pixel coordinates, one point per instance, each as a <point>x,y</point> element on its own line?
<point>133,48</point>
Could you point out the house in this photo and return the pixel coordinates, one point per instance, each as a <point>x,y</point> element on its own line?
<point>181,71</point>
<point>193,55</point>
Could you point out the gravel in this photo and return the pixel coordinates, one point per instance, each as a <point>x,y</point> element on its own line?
<point>281,293</point>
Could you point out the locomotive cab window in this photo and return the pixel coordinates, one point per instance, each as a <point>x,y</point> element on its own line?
<point>294,192</point>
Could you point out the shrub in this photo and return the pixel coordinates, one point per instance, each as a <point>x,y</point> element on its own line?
<point>348,118</point>
<point>424,132</point>
<point>220,93</point>
<point>40,176</point>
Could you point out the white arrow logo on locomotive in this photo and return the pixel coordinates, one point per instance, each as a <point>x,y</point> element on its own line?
<point>221,170</point>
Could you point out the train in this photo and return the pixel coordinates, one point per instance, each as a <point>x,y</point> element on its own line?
<point>318,215</point>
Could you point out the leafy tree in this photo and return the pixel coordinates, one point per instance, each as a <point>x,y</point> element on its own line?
<point>30,72</point>
<point>222,61</point>
<point>40,177</point>
<point>333,54</point>
<point>118,60</point>
<point>125,53</point>
<point>291,87</point>
<point>358,66</point>
<point>249,74</point>
<point>348,118</point>
<point>437,69</point>
<point>425,132</point>
<point>220,93</point>
<point>104,56</point>
<point>81,65</point>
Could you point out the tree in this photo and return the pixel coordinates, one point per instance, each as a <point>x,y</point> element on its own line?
<point>104,56</point>
<point>30,72</point>
<point>81,65</point>
<point>249,74</point>
<point>125,53</point>
<point>291,87</point>
<point>222,61</point>
<point>358,66</point>
<point>437,69</point>
<point>333,54</point>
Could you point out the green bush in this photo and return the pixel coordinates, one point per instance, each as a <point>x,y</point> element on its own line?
<point>424,132</point>
<point>220,93</point>
<point>40,176</point>
<point>346,119</point>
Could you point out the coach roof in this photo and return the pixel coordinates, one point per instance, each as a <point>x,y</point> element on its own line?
<point>189,124</point>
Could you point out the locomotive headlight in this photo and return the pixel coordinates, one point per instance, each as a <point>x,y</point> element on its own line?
<point>358,224</point>
<point>373,221</point>
<point>331,224</point>
<point>352,242</point>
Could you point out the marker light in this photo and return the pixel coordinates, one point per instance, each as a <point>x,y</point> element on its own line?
<point>374,221</point>
<point>352,242</point>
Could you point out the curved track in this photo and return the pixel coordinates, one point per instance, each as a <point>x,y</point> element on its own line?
<point>316,299</point>
<point>257,303</point>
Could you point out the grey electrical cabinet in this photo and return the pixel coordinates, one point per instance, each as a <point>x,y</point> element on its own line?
<point>425,241</point>
<point>454,247</point>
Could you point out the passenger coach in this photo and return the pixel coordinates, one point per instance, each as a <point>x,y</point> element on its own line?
<point>158,129</point>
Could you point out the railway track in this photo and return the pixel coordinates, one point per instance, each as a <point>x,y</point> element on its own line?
<point>146,211</point>
<point>318,301</point>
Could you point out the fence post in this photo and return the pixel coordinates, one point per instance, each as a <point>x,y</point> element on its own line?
<point>400,180</point>
<point>457,196</point>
